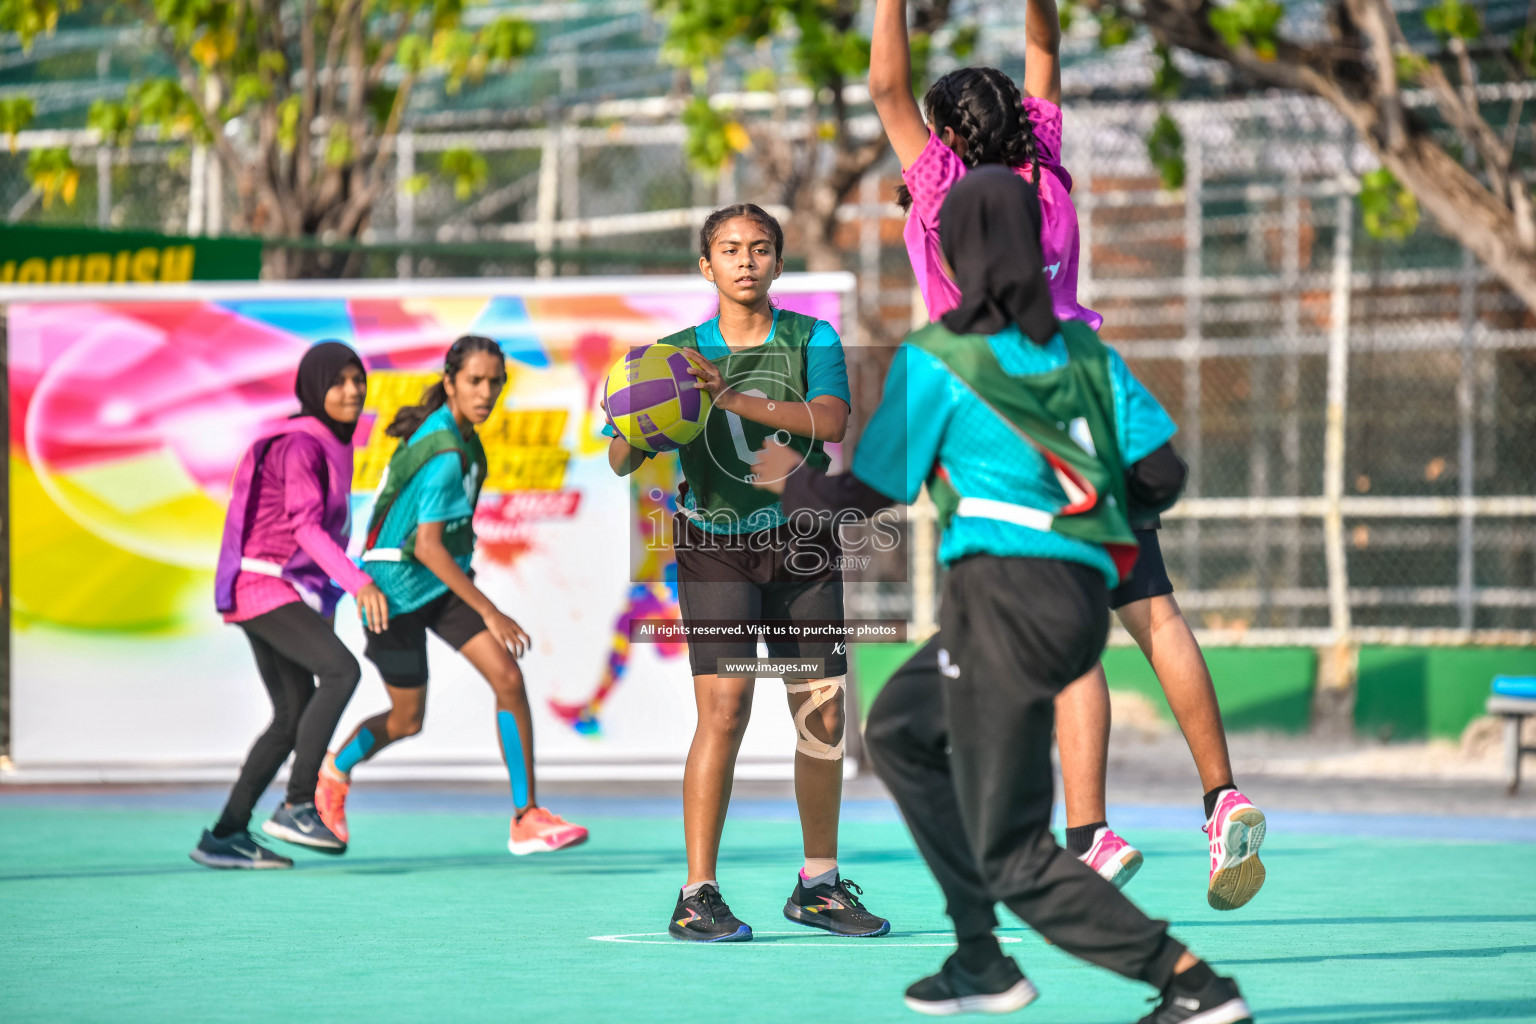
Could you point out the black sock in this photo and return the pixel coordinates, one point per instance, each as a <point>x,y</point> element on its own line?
<point>1080,839</point>
<point>223,829</point>
<point>1212,797</point>
<point>1194,979</point>
<point>977,954</point>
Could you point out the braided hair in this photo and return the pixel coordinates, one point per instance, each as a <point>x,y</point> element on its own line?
<point>985,108</point>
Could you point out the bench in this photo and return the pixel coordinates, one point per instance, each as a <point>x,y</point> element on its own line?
<point>1514,698</point>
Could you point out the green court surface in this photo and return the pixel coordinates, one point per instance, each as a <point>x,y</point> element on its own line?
<point>103,918</point>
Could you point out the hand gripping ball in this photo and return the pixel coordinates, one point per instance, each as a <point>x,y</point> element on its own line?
<point>651,399</point>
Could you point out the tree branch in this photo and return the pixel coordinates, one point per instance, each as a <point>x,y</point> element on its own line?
<point>1497,224</point>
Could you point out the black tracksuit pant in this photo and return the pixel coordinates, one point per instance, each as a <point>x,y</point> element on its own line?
<point>293,646</point>
<point>961,735</point>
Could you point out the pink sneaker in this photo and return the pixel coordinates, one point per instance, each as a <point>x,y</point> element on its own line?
<point>1116,860</point>
<point>331,798</point>
<point>539,831</point>
<point>1236,831</point>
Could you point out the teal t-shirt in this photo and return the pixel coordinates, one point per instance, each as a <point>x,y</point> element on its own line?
<point>438,493</point>
<point>826,373</point>
<point>928,415</point>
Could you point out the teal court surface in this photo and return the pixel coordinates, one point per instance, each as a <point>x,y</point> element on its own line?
<point>1364,920</point>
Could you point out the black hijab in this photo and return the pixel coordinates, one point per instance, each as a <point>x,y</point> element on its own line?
<point>989,230</point>
<point>317,372</point>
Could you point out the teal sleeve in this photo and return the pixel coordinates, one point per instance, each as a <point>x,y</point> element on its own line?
<point>826,371</point>
<point>1144,425</point>
<point>901,442</point>
<point>442,491</point>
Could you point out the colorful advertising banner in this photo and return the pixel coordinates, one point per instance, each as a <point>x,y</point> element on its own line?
<point>127,419</point>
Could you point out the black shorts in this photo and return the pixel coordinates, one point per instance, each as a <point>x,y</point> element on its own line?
<point>400,652</point>
<point>771,575</point>
<point>1149,577</point>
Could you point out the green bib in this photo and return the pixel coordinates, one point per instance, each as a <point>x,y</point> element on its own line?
<point>1056,412</point>
<point>404,464</point>
<point>719,463</point>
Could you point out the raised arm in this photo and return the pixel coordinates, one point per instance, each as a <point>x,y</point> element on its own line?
<point>890,82</point>
<point>1042,50</point>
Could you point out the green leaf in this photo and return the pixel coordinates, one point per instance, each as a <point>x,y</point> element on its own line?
<point>32,18</point>
<point>1167,79</point>
<point>507,39</point>
<point>16,112</point>
<point>272,62</point>
<point>467,168</point>
<point>339,148</point>
<point>964,43</point>
<point>1522,48</point>
<point>1067,13</point>
<point>1114,29</point>
<point>1409,66</point>
<point>699,30</point>
<point>1387,209</point>
<point>53,173</point>
<point>1165,148</point>
<point>1454,19</point>
<point>760,80</point>
<point>248,89</point>
<point>1250,24</point>
<point>413,53</point>
<point>113,119</point>
<point>381,101</point>
<point>288,113</point>
<point>164,104</point>
<point>713,139</point>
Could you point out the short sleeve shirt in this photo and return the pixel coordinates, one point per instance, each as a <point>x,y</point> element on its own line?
<point>438,493</point>
<point>929,180</point>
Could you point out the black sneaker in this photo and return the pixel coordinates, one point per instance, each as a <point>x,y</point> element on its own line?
<point>1001,988</point>
<point>301,824</point>
<point>704,917</point>
<point>1219,1002</point>
<point>236,851</point>
<point>834,906</point>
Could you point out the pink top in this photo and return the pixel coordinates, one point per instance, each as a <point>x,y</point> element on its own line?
<point>290,503</point>
<point>937,168</point>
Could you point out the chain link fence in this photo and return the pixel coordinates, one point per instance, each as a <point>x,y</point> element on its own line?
<point>1357,415</point>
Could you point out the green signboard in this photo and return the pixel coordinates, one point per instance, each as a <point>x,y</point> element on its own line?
<point>45,255</point>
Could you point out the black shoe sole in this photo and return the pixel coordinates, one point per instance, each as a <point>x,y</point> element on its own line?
<point>799,915</point>
<point>742,934</point>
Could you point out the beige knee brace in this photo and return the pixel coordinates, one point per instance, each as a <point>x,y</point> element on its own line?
<point>821,691</point>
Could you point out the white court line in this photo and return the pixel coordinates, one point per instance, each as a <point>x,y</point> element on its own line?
<point>665,939</point>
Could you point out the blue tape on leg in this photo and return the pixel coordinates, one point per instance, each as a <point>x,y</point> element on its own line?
<point>355,751</point>
<point>512,750</point>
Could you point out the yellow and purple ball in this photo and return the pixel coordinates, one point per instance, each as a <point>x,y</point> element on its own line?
<point>652,401</point>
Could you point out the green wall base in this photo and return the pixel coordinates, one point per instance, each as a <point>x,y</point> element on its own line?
<point>1259,688</point>
<point>1408,693</point>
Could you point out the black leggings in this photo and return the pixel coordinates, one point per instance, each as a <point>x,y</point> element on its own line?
<point>292,645</point>
<point>961,735</point>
